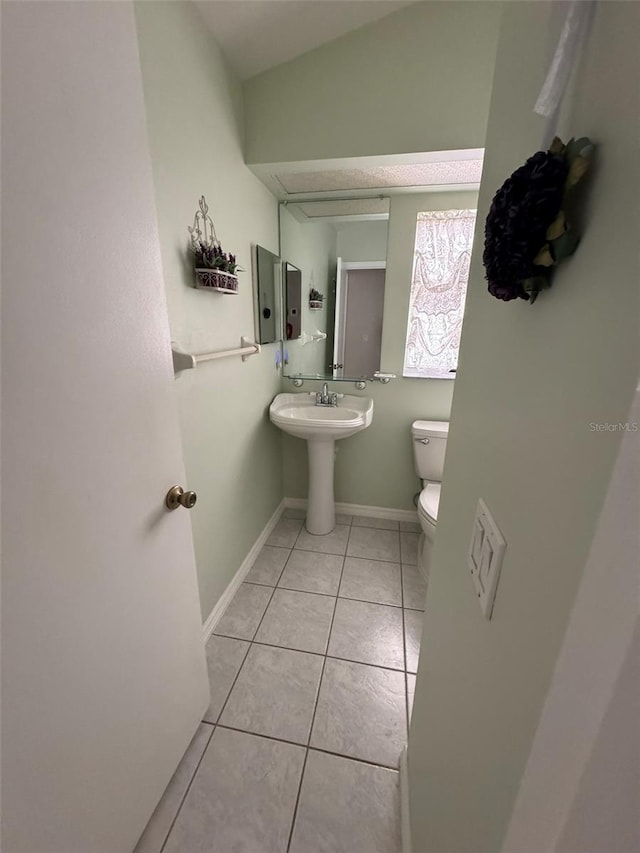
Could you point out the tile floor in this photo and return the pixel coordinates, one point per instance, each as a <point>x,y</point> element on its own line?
<point>312,680</point>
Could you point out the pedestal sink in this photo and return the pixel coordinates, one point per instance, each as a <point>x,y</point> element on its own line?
<point>321,426</point>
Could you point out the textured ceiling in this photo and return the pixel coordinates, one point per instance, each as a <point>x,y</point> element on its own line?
<point>258,34</point>
<point>381,177</point>
<point>351,207</point>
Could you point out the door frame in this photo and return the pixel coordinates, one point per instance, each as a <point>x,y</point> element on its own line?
<point>342,292</point>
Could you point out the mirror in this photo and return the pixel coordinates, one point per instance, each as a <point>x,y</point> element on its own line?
<point>292,302</point>
<point>268,275</point>
<point>334,258</point>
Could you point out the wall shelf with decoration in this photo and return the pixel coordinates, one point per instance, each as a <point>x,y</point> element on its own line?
<point>221,282</point>
<point>215,269</point>
<point>316,300</point>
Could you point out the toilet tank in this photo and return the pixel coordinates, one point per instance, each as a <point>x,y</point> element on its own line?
<point>429,439</point>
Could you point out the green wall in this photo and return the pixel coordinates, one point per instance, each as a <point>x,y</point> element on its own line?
<point>363,241</point>
<point>232,452</point>
<point>531,381</point>
<point>375,467</point>
<point>417,80</point>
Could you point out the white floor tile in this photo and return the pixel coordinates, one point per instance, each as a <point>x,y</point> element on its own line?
<point>411,690</point>
<point>224,659</point>
<point>413,630</point>
<point>294,513</point>
<point>347,806</point>
<point>414,588</point>
<point>297,620</point>
<point>361,712</point>
<point>268,565</point>
<point>368,633</point>
<point>285,532</point>
<point>242,798</point>
<point>275,694</point>
<point>243,615</point>
<point>309,571</point>
<point>409,548</point>
<point>371,580</point>
<point>377,523</point>
<point>374,544</point>
<point>157,829</point>
<point>333,543</point>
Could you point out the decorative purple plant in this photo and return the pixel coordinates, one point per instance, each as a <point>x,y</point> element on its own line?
<point>212,257</point>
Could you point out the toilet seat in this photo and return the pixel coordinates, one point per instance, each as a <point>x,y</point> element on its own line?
<point>429,502</point>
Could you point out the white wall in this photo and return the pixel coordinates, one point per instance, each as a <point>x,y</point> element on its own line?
<point>530,382</point>
<point>418,80</point>
<point>232,452</point>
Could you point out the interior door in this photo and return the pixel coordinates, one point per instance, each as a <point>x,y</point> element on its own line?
<point>104,677</point>
<point>363,321</point>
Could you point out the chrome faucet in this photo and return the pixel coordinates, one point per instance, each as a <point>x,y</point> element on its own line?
<point>325,398</point>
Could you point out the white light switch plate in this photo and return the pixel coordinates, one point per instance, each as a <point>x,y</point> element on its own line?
<point>484,557</point>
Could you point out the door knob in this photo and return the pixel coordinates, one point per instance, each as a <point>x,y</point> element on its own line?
<point>176,496</point>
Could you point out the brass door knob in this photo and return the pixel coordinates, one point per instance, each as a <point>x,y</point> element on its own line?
<point>176,496</point>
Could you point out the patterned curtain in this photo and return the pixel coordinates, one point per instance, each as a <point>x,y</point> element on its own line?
<point>444,239</point>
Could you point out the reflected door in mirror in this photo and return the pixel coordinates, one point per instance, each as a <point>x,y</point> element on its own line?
<point>293,302</point>
<point>359,322</point>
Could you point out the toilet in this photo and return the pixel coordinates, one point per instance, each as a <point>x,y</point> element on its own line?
<point>429,439</point>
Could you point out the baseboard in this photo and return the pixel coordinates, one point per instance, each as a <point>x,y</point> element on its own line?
<point>361,509</point>
<point>223,602</point>
<point>405,820</point>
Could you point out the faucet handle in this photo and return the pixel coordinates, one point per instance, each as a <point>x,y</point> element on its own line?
<point>333,399</point>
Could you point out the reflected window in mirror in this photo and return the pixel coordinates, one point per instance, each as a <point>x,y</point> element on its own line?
<point>442,255</point>
<point>268,285</point>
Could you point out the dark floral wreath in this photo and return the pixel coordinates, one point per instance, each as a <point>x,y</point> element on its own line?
<point>527,231</point>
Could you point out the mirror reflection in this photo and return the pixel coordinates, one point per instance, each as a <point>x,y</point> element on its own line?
<point>268,285</point>
<point>358,318</point>
<point>292,301</point>
<point>334,274</point>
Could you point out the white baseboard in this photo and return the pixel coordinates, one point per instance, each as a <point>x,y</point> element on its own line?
<point>224,600</point>
<point>405,819</point>
<point>361,509</point>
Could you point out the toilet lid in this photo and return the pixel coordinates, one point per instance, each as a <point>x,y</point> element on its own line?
<point>430,500</point>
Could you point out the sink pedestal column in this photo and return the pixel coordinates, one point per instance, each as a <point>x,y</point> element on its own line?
<point>321,511</point>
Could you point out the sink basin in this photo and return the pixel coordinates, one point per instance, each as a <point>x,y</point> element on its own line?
<point>298,415</point>
<point>321,426</point>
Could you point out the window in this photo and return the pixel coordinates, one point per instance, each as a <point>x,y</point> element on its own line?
<point>444,239</point>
